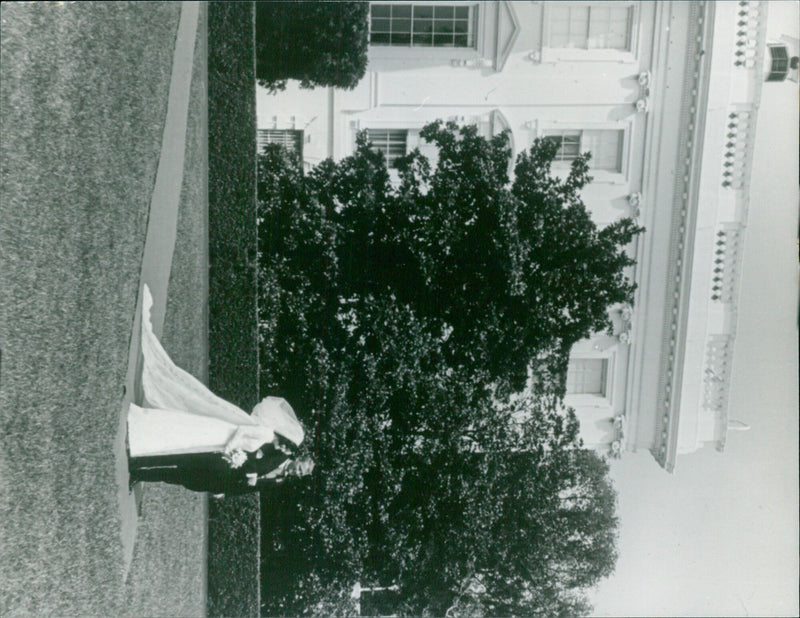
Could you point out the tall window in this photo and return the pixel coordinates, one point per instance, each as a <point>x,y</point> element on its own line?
<point>605,146</point>
<point>391,142</point>
<point>591,27</point>
<point>290,138</point>
<point>587,376</point>
<point>422,25</point>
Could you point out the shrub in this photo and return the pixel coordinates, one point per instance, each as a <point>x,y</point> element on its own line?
<point>317,43</point>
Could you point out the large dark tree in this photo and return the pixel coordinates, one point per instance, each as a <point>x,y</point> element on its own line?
<point>317,43</point>
<point>516,521</point>
<point>506,270</point>
<point>398,318</point>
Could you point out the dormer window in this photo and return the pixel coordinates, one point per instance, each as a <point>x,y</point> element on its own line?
<point>779,63</point>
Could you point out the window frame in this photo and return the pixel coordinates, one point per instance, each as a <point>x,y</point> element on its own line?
<point>603,379</point>
<point>604,400</point>
<point>626,127</point>
<point>580,147</point>
<point>383,57</point>
<point>472,21</point>
<point>549,53</point>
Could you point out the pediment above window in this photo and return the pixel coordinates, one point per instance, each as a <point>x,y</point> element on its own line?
<point>508,28</point>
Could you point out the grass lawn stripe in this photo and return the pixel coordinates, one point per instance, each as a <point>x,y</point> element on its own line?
<point>82,104</point>
<point>83,98</point>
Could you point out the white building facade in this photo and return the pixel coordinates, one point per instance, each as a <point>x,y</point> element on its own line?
<point>664,95</point>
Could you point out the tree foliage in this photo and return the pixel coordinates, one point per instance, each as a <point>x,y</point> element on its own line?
<point>317,43</point>
<point>402,319</point>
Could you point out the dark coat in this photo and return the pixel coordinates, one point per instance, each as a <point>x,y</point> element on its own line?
<point>208,471</point>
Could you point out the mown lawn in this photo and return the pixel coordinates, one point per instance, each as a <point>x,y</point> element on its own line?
<point>83,98</point>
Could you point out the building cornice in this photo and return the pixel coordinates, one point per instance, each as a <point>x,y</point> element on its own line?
<point>752,26</point>
<point>684,214</point>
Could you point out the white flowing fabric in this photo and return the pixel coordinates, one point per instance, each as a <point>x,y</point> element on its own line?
<point>158,431</point>
<point>183,416</point>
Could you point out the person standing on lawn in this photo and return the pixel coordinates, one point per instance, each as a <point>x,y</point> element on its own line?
<point>189,436</point>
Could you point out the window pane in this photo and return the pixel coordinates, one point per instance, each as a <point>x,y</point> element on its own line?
<point>570,148</point>
<point>461,27</point>
<point>462,12</point>
<point>380,25</point>
<point>779,63</point>
<point>401,10</point>
<point>778,51</point>
<point>559,32</point>
<point>461,40</point>
<point>556,139</point>
<point>423,11</point>
<point>289,138</point>
<point>401,25</point>
<point>443,40</point>
<point>444,11</point>
<point>568,142</point>
<point>619,28</point>
<point>401,39</point>
<point>422,40</point>
<point>381,10</point>
<point>391,142</point>
<point>379,38</point>
<point>423,26</point>
<point>578,26</point>
<point>443,27</point>
<point>609,28</point>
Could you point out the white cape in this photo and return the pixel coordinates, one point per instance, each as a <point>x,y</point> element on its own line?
<point>181,415</point>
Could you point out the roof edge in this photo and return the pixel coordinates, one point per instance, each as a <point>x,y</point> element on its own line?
<point>684,214</point>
